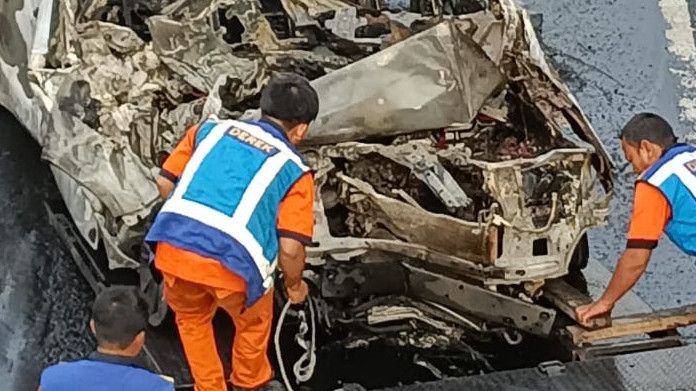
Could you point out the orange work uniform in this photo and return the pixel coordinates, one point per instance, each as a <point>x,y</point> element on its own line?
<point>651,213</point>
<point>196,286</point>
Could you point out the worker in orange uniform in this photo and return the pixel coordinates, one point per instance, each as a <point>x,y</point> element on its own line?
<point>664,200</point>
<point>239,201</point>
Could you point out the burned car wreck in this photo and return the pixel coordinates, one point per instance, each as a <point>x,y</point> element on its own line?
<point>455,172</point>
<point>472,212</point>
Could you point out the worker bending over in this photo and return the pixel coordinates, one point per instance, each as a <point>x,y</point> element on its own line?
<point>119,318</point>
<point>239,197</point>
<point>664,200</point>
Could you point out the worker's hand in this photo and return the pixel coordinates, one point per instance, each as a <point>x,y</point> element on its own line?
<point>585,313</point>
<point>298,292</point>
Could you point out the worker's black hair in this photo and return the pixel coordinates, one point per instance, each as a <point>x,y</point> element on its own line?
<point>119,314</point>
<point>650,127</point>
<point>290,98</point>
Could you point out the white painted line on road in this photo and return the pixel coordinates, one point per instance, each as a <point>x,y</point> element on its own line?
<point>681,44</point>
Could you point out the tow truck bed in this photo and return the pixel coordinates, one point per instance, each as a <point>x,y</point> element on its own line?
<point>635,326</point>
<point>640,349</point>
<point>664,369</point>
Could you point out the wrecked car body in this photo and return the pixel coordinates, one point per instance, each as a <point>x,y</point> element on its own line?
<point>455,172</point>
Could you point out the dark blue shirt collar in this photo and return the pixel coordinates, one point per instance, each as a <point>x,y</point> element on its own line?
<point>115,359</point>
<point>678,146</point>
<point>275,126</point>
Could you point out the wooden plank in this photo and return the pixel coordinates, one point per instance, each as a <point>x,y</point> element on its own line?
<point>668,319</point>
<point>566,298</point>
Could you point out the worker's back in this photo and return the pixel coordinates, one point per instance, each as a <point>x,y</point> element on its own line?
<point>226,201</point>
<point>99,375</point>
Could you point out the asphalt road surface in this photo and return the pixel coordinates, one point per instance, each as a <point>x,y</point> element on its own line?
<point>43,299</point>
<point>618,57</point>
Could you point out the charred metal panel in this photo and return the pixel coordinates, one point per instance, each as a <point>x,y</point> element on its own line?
<point>429,81</point>
<point>362,279</point>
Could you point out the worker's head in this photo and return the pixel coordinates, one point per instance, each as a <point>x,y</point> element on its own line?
<point>291,102</point>
<point>644,138</point>
<point>119,318</point>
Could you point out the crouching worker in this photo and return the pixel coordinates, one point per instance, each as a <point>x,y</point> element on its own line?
<point>119,318</point>
<point>239,201</point>
<point>664,201</point>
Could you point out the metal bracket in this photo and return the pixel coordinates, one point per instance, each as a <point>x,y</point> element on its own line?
<point>552,368</point>
<point>482,303</point>
<point>613,349</point>
<point>440,182</point>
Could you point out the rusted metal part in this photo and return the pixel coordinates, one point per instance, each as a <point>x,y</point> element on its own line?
<point>467,298</point>
<point>595,351</point>
<point>415,225</point>
<point>566,298</point>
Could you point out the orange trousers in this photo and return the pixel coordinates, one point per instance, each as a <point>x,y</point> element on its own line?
<point>194,306</point>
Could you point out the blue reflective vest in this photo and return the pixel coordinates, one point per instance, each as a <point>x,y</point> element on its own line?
<point>102,372</point>
<point>226,201</point>
<point>674,174</point>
